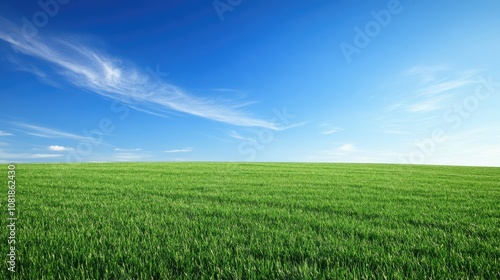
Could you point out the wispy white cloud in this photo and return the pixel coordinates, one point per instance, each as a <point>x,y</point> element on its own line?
<point>423,107</point>
<point>3,133</point>
<point>57,148</point>
<point>293,125</point>
<point>427,105</point>
<point>45,132</point>
<point>331,131</point>
<point>393,107</point>
<point>128,157</point>
<point>112,78</point>
<point>127,150</point>
<point>236,135</point>
<point>429,88</point>
<point>360,157</point>
<point>338,152</point>
<point>117,156</point>
<point>351,153</point>
<point>328,128</point>
<point>184,150</point>
<point>179,159</point>
<point>346,148</point>
<point>427,73</point>
<point>27,156</point>
<point>421,97</point>
<point>444,86</point>
<point>30,68</point>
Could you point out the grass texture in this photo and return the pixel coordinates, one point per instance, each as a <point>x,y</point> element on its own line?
<point>254,221</point>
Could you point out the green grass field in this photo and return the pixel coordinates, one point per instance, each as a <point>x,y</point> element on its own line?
<point>254,221</point>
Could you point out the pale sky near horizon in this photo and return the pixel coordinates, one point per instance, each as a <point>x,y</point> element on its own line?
<point>237,80</point>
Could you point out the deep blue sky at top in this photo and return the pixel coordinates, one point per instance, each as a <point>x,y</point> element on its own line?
<point>414,76</point>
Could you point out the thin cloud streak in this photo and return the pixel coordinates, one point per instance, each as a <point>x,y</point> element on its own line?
<point>346,148</point>
<point>427,73</point>
<point>328,128</point>
<point>25,156</point>
<point>127,150</point>
<point>425,93</point>
<point>44,132</point>
<point>331,131</point>
<point>236,135</point>
<point>109,77</point>
<point>431,104</point>
<point>441,87</point>
<point>57,148</point>
<point>184,150</point>
<point>128,157</point>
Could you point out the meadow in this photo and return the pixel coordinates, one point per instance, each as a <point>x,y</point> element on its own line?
<point>254,221</point>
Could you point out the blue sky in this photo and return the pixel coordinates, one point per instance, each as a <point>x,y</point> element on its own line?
<point>236,80</point>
